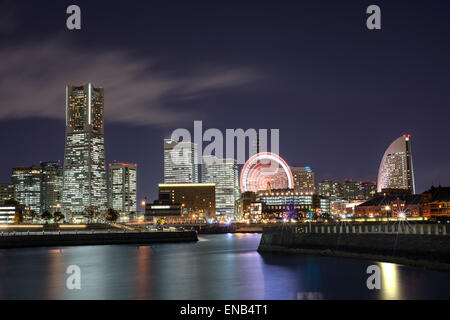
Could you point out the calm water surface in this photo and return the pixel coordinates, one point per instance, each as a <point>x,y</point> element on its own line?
<point>217,267</point>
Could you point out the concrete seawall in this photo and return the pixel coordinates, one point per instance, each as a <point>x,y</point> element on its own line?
<point>417,245</point>
<point>233,228</point>
<point>83,239</point>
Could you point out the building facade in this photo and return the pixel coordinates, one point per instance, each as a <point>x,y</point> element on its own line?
<point>84,183</point>
<point>352,190</point>
<point>8,210</point>
<point>180,163</point>
<point>368,190</point>
<point>303,179</point>
<point>287,203</point>
<point>27,185</point>
<point>398,206</point>
<point>396,168</point>
<point>51,186</point>
<point>224,174</point>
<point>7,192</point>
<point>196,199</point>
<point>123,187</point>
<point>436,203</point>
<point>332,189</point>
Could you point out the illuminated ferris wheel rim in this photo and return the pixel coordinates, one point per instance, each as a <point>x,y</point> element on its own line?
<point>262,156</point>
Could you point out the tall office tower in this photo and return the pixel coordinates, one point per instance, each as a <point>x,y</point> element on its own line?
<point>224,174</point>
<point>303,179</point>
<point>179,162</point>
<point>84,184</point>
<point>396,168</point>
<point>332,189</point>
<point>51,186</point>
<point>7,192</point>
<point>27,184</point>
<point>123,187</point>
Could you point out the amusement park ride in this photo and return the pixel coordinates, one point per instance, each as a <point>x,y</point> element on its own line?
<point>265,171</point>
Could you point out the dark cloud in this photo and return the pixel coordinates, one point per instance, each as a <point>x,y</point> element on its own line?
<point>34,75</point>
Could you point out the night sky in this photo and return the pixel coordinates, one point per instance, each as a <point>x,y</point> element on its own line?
<point>338,92</point>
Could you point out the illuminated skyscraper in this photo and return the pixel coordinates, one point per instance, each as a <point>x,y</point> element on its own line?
<point>27,184</point>
<point>396,168</point>
<point>179,162</point>
<point>303,179</point>
<point>122,187</point>
<point>84,184</point>
<point>51,186</point>
<point>224,174</point>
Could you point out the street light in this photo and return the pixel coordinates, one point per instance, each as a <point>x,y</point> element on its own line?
<point>144,202</point>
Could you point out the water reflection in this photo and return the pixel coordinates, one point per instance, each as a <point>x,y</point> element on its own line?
<point>55,258</point>
<point>143,272</point>
<point>216,267</point>
<point>390,284</point>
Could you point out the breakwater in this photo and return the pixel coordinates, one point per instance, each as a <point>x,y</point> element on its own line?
<point>24,240</point>
<point>421,245</point>
<point>232,228</point>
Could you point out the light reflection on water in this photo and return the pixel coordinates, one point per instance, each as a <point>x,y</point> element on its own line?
<point>390,281</point>
<point>223,267</point>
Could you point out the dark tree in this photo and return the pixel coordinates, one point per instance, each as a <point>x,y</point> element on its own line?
<point>58,216</point>
<point>112,215</point>
<point>46,216</point>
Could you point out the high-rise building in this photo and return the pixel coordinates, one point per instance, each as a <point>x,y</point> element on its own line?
<point>123,187</point>
<point>224,174</point>
<point>51,186</point>
<point>180,162</point>
<point>368,189</point>
<point>303,179</point>
<point>332,189</point>
<point>27,184</point>
<point>7,192</point>
<point>84,183</point>
<point>396,168</point>
<point>352,190</point>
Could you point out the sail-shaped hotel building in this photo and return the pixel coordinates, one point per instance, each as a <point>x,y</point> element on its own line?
<point>396,168</point>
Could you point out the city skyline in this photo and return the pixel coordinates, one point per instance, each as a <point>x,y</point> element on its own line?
<point>323,124</point>
<point>188,171</point>
<point>224,159</point>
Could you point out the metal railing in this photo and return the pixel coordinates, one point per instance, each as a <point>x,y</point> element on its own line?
<point>419,229</point>
<point>40,233</point>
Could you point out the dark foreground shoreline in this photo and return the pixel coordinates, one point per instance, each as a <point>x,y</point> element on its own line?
<point>430,251</point>
<point>87,239</point>
<point>418,263</point>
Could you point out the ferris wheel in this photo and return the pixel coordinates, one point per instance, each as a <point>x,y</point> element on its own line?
<point>266,171</point>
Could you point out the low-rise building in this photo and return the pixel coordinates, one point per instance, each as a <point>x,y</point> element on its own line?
<point>162,209</point>
<point>8,211</point>
<point>287,202</point>
<point>197,200</point>
<point>396,206</point>
<point>436,203</point>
